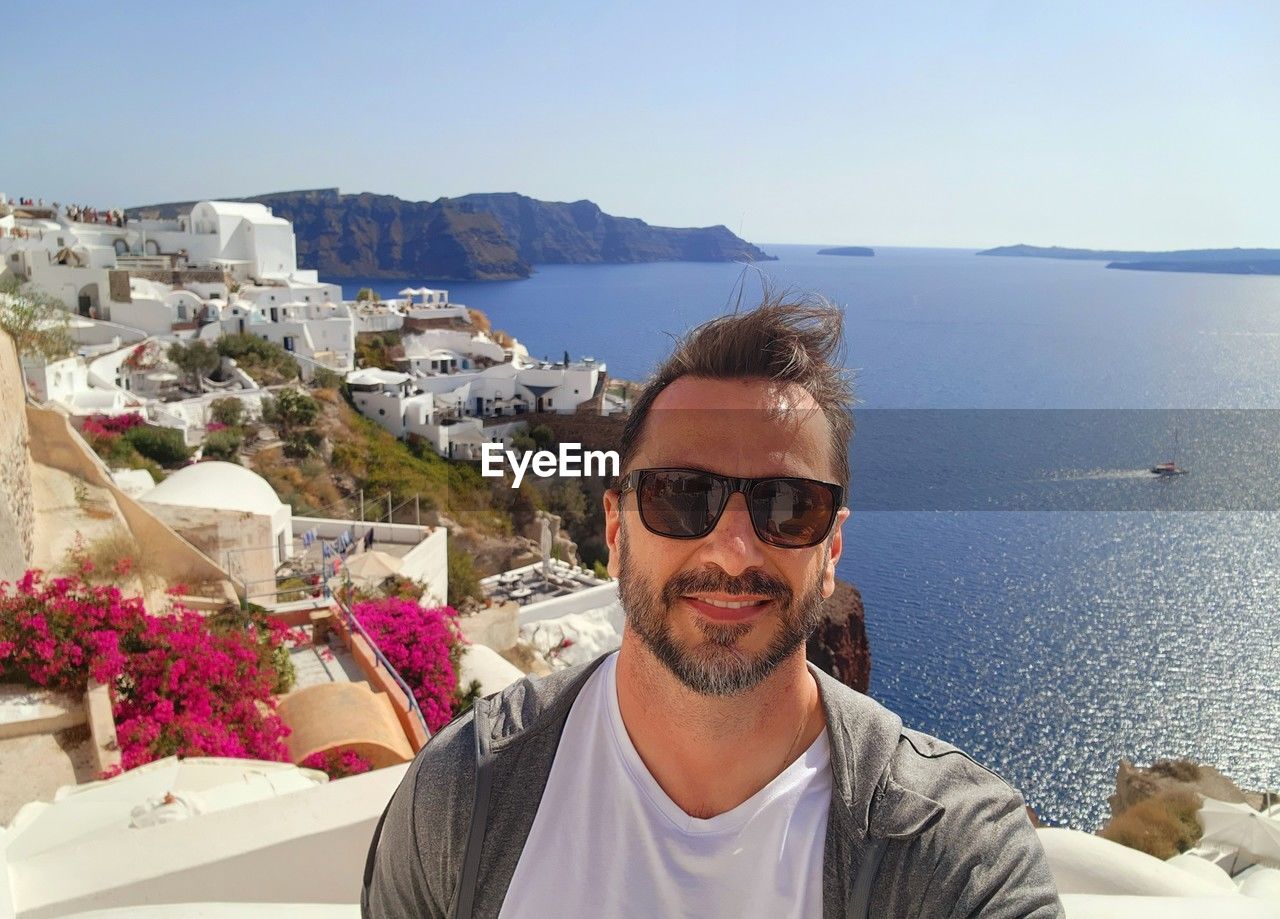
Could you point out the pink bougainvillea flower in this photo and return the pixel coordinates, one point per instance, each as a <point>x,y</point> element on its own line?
<point>178,686</point>
<point>423,644</point>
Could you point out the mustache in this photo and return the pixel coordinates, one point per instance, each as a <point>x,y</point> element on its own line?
<point>717,581</point>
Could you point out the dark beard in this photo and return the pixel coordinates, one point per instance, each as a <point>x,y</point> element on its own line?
<point>715,667</point>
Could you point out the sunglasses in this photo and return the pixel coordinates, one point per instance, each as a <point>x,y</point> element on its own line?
<point>787,512</point>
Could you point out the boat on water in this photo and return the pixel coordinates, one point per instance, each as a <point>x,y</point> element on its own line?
<point>1171,467</point>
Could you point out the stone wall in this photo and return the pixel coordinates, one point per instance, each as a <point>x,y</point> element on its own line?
<point>17,507</point>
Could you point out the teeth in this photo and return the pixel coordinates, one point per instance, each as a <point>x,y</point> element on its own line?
<point>727,604</point>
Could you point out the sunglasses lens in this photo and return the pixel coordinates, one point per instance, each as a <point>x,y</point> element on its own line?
<point>679,504</point>
<point>792,513</point>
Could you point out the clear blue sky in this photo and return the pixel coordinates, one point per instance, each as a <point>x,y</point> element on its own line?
<point>1138,125</point>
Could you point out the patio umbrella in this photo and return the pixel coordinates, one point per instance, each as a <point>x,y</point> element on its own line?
<point>1240,829</point>
<point>373,566</point>
<point>408,291</point>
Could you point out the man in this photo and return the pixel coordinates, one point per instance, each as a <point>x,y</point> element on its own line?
<point>705,769</point>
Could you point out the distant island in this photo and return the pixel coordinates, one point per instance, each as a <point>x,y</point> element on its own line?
<point>847,250</point>
<point>486,237</point>
<point>1215,261</point>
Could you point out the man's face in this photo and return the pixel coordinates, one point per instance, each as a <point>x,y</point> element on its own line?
<point>672,590</point>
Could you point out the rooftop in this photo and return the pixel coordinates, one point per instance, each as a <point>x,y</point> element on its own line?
<point>528,585</point>
<point>216,485</point>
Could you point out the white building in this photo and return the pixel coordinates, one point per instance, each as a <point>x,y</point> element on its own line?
<point>225,266</point>
<point>231,514</point>
<point>449,410</point>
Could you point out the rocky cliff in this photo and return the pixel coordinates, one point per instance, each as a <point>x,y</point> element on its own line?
<point>839,646</point>
<point>547,232</point>
<point>475,237</point>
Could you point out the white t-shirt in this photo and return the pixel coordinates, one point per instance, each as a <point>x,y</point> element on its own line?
<point>608,842</point>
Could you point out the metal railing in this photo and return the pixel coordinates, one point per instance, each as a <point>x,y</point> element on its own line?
<point>354,624</point>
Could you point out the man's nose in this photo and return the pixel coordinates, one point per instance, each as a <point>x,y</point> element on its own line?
<point>733,545</point>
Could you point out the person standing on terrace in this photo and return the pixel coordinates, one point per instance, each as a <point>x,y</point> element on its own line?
<point>705,768</point>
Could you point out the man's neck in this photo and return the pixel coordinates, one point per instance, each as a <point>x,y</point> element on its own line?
<point>711,753</point>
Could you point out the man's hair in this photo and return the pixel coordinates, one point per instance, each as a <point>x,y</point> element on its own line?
<point>784,340</point>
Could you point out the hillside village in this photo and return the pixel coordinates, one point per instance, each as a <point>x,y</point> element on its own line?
<point>262,568</point>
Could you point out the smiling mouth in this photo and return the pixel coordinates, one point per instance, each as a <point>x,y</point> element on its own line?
<point>727,609</point>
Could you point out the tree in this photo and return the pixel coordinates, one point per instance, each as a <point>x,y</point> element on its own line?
<point>569,502</point>
<point>293,412</point>
<point>196,360</point>
<point>367,295</point>
<point>35,320</point>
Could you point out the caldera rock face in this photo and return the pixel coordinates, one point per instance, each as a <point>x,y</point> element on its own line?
<point>839,645</point>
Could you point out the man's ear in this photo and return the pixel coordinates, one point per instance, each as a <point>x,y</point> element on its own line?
<point>835,545</point>
<point>612,527</point>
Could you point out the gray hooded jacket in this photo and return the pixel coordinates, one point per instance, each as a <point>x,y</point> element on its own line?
<point>916,828</point>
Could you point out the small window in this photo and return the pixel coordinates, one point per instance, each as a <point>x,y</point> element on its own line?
<point>382,411</point>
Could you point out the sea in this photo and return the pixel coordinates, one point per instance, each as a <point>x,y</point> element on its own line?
<point>1033,593</point>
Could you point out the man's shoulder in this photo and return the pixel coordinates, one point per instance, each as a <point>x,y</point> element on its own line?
<point>909,758</point>
<point>942,771</point>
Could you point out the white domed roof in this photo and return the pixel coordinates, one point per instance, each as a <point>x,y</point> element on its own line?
<point>218,486</point>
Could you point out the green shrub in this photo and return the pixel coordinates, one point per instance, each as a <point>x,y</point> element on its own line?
<point>163,445</point>
<point>373,349</point>
<point>265,361</point>
<point>543,436</point>
<point>522,443</point>
<point>227,410</point>
<point>224,445</point>
<point>303,443</point>
<point>463,582</point>
<point>568,501</point>
<point>324,378</point>
<point>600,571</point>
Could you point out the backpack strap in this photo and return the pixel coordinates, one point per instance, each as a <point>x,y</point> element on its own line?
<point>465,895</point>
